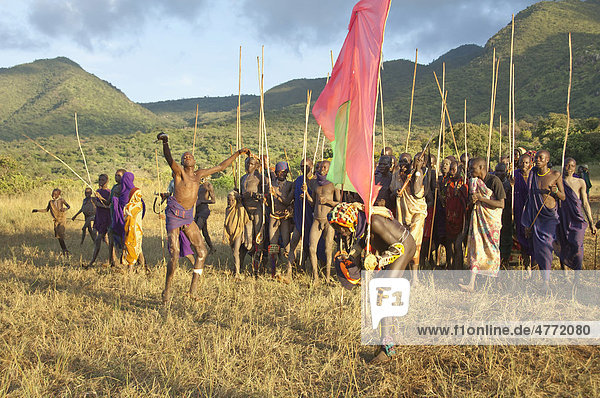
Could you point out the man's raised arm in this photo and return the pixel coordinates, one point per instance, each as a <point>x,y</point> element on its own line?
<point>223,165</point>
<point>167,152</point>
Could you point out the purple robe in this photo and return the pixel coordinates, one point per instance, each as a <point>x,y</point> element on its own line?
<point>544,229</point>
<point>571,229</point>
<point>177,216</point>
<point>119,202</point>
<point>102,219</point>
<point>521,194</point>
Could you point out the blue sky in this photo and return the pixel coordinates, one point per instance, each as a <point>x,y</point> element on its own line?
<point>169,49</point>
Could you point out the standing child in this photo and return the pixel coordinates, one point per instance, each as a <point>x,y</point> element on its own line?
<point>57,207</point>
<point>88,208</point>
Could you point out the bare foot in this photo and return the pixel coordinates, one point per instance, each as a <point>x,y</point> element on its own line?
<point>380,358</point>
<point>466,288</point>
<point>166,296</point>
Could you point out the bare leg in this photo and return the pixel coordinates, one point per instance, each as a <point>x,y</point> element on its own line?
<point>83,234</point>
<point>173,238</point>
<point>314,236</point>
<point>97,243</point>
<point>470,287</point>
<point>237,261</point>
<point>194,235</point>
<point>329,238</point>
<point>63,246</point>
<point>296,238</point>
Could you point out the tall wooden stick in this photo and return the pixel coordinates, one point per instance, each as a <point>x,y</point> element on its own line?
<point>195,129</point>
<point>412,97</point>
<point>81,149</point>
<point>308,93</point>
<point>466,150</point>
<point>239,121</point>
<point>57,158</point>
<point>511,121</point>
<point>568,102</point>
<point>435,194</point>
<point>264,127</point>
<point>162,233</point>
<point>500,140</point>
<point>445,108</point>
<point>382,117</point>
<point>491,109</point>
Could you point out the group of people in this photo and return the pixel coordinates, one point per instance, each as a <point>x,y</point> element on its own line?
<point>419,209</point>
<point>522,212</point>
<point>112,216</point>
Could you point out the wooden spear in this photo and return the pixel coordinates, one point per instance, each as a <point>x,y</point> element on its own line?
<point>239,121</point>
<point>81,149</point>
<point>568,102</point>
<point>412,97</point>
<point>195,129</point>
<point>162,233</point>
<point>308,93</point>
<point>445,107</point>
<point>494,80</point>
<point>57,158</point>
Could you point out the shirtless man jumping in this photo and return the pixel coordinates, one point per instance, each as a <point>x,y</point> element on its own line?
<point>180,211</point>
<point>325,197</point>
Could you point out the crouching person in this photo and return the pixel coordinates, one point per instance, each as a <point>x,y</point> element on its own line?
<point>392,248</point>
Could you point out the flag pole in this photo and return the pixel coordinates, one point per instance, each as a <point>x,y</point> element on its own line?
<point>412,97</point>
<point>382,118</point>
<point>568,102</point>
<point>372,178</point>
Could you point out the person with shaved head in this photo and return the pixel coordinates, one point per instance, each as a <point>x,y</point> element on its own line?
<point>540,215</point>
<point>487,197</point>
<point>180,211</point>
<point>574,216</point>
<point>521,188</point>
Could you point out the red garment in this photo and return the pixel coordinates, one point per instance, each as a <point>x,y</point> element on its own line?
<point>456,204</point>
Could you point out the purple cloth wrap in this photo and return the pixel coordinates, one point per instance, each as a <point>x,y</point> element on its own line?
<point>544,229</point>
<point>521,194</point>
<point>102,220</point>
<point>119,202</point>
<point>281,166</point>
<point>571,229</point>
<point>176,217</point>
<point>322,180</point>
<point>308,213</point>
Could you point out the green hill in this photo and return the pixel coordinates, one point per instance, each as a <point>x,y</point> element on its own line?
<point>40,99</point>
<point>541,66</point>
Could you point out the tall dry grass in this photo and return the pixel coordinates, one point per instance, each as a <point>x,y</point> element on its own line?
<point>65,331</point>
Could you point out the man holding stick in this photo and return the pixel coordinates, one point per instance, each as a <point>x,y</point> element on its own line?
<point>180,211</point>
<point>540,216</point>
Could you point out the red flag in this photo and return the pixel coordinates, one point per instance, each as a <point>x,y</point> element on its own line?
<point>354,80</point>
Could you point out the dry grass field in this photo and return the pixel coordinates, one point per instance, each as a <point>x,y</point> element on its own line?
<point>66,331</point>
